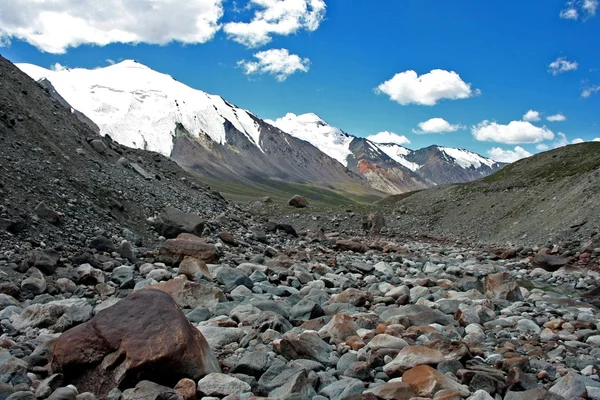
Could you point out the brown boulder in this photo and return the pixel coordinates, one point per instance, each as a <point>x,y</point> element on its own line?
<point>189,294</point>
<point>351,245</point>
<point>145,336</point>
<point>174,251</point>
<point>394,391</point>
<point>426,381</point>
<point>194,269</point>
<point>339,328</point>
<point>298,202</point>
<point>502,286</point>
<point>227,238</point>
<point>352,296</point>
<point>549,262</point>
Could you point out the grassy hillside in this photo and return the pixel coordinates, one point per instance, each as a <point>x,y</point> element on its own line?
<point>281,192</point>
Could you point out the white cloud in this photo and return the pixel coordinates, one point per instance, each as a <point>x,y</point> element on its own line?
<point>276,17</point>
<point>596,139</point>
<point>576,8</point>
<point>409,88</point>
<point>590,90</point>
<point>54,26</point>
<point>436,125</point>
<point>277,62</point>
<point>577,141</point>
<point>508,156</point>
<point>561,140</point>
<point>569,13</point>
<point>590,6</point>
<point>514,133</point>
<point>531,116</point>
<point>556,118</point>
<point>389,137</point>
<point>542,147</point>
<point>561,65</point>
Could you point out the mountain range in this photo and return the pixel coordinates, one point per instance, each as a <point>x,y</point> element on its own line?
<point>142,108</point>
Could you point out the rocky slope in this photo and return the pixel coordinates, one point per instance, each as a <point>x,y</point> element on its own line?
<point>132,281</point>
<point>551,196</point>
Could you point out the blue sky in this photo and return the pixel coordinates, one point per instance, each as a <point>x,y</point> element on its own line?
<point>340,51</point>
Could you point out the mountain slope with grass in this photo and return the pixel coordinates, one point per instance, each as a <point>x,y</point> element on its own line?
<point>551,196</point>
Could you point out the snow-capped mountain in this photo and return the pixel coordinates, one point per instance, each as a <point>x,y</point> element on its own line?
<point>430,166</point>
<point>142,108</point>
<point>139,107</point>
<point>450,165</point>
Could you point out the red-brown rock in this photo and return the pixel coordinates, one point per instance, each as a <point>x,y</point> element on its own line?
<point>351,245</point>
<point>426,381</point>
<point>174,251</point>
<point>502,286</point>
<point>145,336</point>
<point>394,391</point>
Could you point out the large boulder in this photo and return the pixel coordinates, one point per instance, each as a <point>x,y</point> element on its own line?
<point>502,286</point>
<point>374,223</point>
<point>298,202</point>
<point>145,336</point>
<point>549,262</point>
<point>174,251</point>
<point>171,222</point>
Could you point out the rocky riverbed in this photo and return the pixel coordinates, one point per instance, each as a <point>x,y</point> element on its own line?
<point>258,310</point>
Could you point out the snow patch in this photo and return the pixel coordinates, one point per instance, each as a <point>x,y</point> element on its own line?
<point>467,159</point>
<point>397,153</point>
<point>313,129</point>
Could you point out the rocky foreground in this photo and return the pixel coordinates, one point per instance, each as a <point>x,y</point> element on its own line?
<point>257,310</point>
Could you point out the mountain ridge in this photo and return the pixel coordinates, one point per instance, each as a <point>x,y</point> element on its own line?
<point>146,109</point>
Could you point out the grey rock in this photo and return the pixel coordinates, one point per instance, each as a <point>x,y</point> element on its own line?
<point>34,282</point>
<point>217,384</point>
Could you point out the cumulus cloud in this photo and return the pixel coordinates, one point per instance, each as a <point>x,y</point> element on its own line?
<point>542,147</point>
<point>556,118</point>
<point>590,90</point>
<point>508,156</point>
<point>561,140</point>
<point>531,116</point>
<point>389,137</point>
<point>276,17</point>
<point>562,65</point>
<point>436,125</point>
<point>574,9</point>
<point>409,88</point>
<point>276,62</point>
<point>515,132</point>
<point>54,26</point>
<point>577,141</point>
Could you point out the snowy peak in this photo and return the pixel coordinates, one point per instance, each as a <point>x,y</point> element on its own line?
<point>466,158</point>
<point>313,129</point>
<point>398,153</point>
<point>140,107</point>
